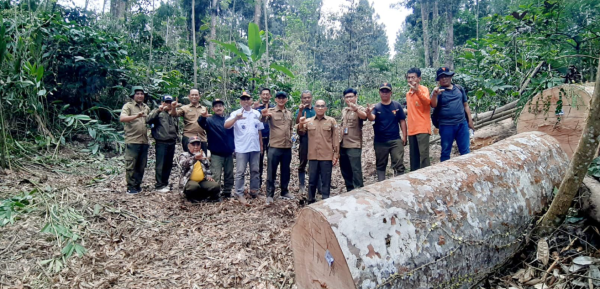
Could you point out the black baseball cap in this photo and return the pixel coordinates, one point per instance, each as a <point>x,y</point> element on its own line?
<point>281,94</point>
<point>443,71</point>
<point>217,101</point>
<point>245,94</point>
<point>167,98</point>
<point>385,85</point>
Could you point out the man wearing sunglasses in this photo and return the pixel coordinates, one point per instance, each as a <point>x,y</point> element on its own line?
<point>323,149</point>
<point>247,127</point>
<point>164,133</point>
<point>388,117</point>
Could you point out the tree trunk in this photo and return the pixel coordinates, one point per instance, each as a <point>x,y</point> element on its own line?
<point>444,226</point>
<point>194,43</point>
<point>117,8</point>
<point>151,40</point>
<point>86,5</point>
<point>267,34</point>
<point>104,7</point>
<point>425,22</point>
<point>477,20</point>
<point>213,27</point>
<point>257,9</point>
<point>584,154</point>
<point>435,39</point>
<point>449,35</point>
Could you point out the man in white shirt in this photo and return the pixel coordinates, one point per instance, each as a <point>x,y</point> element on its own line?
<point>247,128</point>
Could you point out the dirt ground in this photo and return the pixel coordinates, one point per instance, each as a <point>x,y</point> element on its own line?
<point>150,240</point>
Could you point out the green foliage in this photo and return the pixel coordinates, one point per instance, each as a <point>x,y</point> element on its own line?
<point>12,207</point>
<point>594,169</point>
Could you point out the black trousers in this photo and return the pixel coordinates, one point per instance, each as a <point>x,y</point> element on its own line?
<point>351,167</point>
<point>186,140</point>
<point>303,153</point>
<point>276,157</point>
<point>261,161</point>
<point>165,152</point>
<point>319,171</point>
<point>136,158</point>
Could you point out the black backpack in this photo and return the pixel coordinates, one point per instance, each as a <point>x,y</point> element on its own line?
<point>435,115</point>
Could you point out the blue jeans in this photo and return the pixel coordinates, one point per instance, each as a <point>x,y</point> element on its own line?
<point>458,132</point>
<point>243,159</point>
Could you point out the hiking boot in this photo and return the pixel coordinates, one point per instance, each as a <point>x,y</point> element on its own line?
<point>269,200</point>
<point>253,195</point>
<point>132,191</point>
<point>242,199</point>
<point>287,196</point>
<point>163,189</point>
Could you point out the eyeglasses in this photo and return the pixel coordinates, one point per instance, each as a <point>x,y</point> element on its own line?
<point>320,106</point>
<point>195,144</point>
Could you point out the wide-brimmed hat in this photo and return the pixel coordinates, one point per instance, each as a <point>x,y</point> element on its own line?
<point>136,88</point>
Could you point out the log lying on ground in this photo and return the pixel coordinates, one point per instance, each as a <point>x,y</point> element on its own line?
<point>444,226</point>
<point>485,116</point>
<point>493,133</point>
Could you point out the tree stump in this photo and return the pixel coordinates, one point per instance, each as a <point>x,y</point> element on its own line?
<point>444,226</point>
<point>560,112</point>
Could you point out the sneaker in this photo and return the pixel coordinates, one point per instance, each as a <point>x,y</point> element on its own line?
<point>287,196</point>
<point>132,191</point>
<point>269,200</point>
<point>164,189</point>
<point>242,199</point>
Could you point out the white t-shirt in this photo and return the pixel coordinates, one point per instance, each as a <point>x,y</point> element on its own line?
<point>245,131</point>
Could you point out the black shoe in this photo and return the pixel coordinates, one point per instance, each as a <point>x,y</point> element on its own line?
<point>225,196</point>
<point>311,201</point>
<point>132,191</point>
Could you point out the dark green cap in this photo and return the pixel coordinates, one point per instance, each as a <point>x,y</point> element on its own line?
<point>136,88</point>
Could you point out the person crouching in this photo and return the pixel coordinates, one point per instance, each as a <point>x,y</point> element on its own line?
<point>196,179</point>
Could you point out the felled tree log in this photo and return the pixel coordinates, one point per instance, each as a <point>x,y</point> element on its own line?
<point>489,115</point>
<point>443,226</point>
<point>493,133</point>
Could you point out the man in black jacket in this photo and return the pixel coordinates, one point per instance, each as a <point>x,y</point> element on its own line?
<point>221,146</point>
<point>164,133</point>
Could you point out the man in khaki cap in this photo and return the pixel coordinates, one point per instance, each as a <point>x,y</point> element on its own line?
<point>133,117</point>
<point>191,113</point>
<point>323,149</point>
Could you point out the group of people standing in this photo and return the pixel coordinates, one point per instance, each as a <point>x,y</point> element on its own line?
<point>261,128</point>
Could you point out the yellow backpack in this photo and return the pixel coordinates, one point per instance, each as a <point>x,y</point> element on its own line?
<point>197,172</point>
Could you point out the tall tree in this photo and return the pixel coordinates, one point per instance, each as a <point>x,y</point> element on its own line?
<point>194,43</point>
<point>213,27</point>
<point>435,32</point>
<point>257,9</point>
<point>425,22</point>
<point>449,35</point>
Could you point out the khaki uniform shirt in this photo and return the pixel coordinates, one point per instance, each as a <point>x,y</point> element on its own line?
<point>136,131</point>
<point>280,125</point>
<point>191,114</point>
<point>351,129</point>
<point>323,138</point>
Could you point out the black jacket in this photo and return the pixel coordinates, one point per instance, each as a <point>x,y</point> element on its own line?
<point>220,140</point>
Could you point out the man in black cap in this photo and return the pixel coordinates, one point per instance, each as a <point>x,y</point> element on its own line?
<point>133,116</point>
<point>389,118</point>
<point>164,133</point>
<point>452,114</point>
<point>281,122</point>
<point>221,146</point>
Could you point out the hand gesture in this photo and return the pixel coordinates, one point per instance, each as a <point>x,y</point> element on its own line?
<point>437,91</point>
<point>413,86</point>
<point>239,116</point>
<point>174,104</point>
<point>199,156</point>
<point>301,107</point>
<point>369,108</point>
<point>266,112</point>
<point>303,120</point>
<point>161,107</point>
<point>140,114</point>
<point>204,113</point>
<point>256,104</point>
<point>353,106</point>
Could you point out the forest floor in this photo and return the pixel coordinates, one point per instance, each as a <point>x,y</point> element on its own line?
<point>159,240</point>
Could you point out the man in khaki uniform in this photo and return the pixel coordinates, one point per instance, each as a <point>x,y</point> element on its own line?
<point>323,149</point>
<point>353,116</point>
<point>281,124</point>
<point>191,113</point>
<point>133,117</point>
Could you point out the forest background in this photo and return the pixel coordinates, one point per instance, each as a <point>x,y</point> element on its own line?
<point>65,72</point>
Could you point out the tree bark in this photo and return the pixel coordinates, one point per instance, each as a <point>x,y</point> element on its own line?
<point>257,9</point>
<point>449,35</point>
<point>213,27</point>
<point>194,43</point>
<point>435,39</point>
<point>444,226</point>
<point>425,22</point>
<point>267,34</point>
<point>584,154</point>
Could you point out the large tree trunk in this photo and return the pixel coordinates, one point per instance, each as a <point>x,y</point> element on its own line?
<point>584,154</point>
<point>257,9</point>
<point>194,43</point>
<point>444,226</point>
<point>117,8</point>
<point>425,22</point>
<point>435,40</point>
<point>449,35</point>
<point>267,34</point>
<point>213,27</point>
